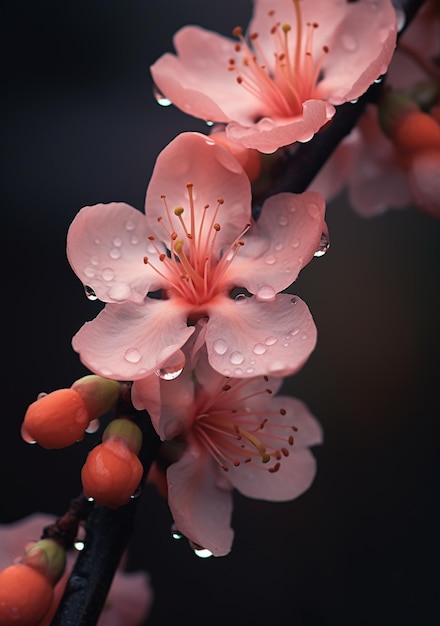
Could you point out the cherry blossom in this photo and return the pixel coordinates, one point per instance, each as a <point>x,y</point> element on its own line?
<point>280,84</point>
<point>227,433</point>
<point>196,242</point>
<point>130,595</point>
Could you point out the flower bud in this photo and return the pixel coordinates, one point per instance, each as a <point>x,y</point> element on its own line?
<point>111,473</point>
<point>125,430</point>
<point>48,557</point>
<point>25,595</point>
<point>57,419</point>
<point>99,394</point>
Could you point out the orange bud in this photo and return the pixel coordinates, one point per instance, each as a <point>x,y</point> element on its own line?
<point>25,596</point>
<point>57,420</point>
<point>416,132</point>
<point>111,473</point>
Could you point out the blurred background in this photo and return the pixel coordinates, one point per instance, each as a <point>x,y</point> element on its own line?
<point>80,126</point>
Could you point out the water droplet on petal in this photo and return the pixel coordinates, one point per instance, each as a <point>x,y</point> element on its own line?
<point>108,274</point>
<point>241,298</point>
<point>220,346</point>
<point>266,293</point>
<point>90,294</point>
<point>202,553</point>
<point>79,545</point>
<point>134,240</point>
<point>169,372</point>
<point>115,254</point>
<point>175,533</point>
<point>282,220</point>
<point>324,245</point>
<point>349,42</point>
<point>279,246</point>
<point>270,341</point>
<point>270,259</point>
<point>236,358</point>
<point>259,348</point>
<point>354,101</point>
<point>160,98</point>
<point>209,123</point>
<point>117,241</point>
<point>238,371</point>
<point>249,370</point>
<point>89,271</point>
<point>132,355</point>
<point>294,243</point>
<point>130,225</point>
<point>401,19</point>
<point>294,300</point>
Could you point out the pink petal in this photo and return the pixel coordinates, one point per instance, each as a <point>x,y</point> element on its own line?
<point>106,246</point>
<point>168,402</point>
<point>251,337</point>
<point>129,341</point>
<point>198,80</point>
<point>309,431</point>
<point>281,242</point>
<point>361,46</point>
<point>201,510</point>
<point>295,476</point>
<point>214,172</point>
<point>269,134</point>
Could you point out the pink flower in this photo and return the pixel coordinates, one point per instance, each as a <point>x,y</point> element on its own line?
<point>281,84</point>
<point>130,596</point>
<point>229,433</point>
<point>196,242</point>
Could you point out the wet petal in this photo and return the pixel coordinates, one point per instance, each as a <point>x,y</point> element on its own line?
<point>129,341</point>
<point>201,510</point>
<point>106,246</point>
<point>251,337</point>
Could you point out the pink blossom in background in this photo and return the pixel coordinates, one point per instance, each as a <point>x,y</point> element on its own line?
<point>196,242</point>
<point>280,84</point>
<point>130,597</point>
<point>227,433</point>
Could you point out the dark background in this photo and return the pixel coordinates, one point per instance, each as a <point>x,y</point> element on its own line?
<point>80,126</point>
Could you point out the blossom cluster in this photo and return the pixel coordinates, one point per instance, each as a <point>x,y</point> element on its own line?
<point>199,326</point>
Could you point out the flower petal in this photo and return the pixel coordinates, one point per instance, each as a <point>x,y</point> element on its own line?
<point>269,134</point>
<point>201,510</point>
<point>214,173</point>
<point>295,475</point>
<point>130,341</point>
<point>198,80</point>
<point>251,337</point>
<point>106,246</point>
<point>282,241</point>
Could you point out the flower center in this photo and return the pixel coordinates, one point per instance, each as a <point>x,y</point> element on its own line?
<point>193,269</point>
<point>295,72</point>
<point>234,433</point>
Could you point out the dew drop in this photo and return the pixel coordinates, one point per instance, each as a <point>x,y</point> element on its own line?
<point>401,19</point>
<point>26,437</point>
<point>294,300</point>
<point>175,533</point>
<point>134,240</point>
<point>160,98</point>
<point>304,336</point>
<point>270,341</point>
<point>89,271</point>
<point>294,332</point>
<point>266,293</point>
<point>265,124</point>
<point>90,294</point>
<point>259,348</point>
<point>236,358</point>
<point>108,274</point>
<point>95,260</point>
<point>41,395</point>
<point>349,42</point>
<point>220,346</point>
<point>90,499</point>
<point>270,259</point>
<point>93,427</point>
<point>115,254</point>
<point>313,209</point>
<point>241,298</point>
<point>132,355</point>
<point>81,416</point>
<point>169,372</point>
<point>249,370</point>
<point>282,220</point>
<point>79,545</point>
<point>136,493</point>
<point>324,245</point>
<point>278,246</point>
<point>202,553</point>
<point>117,241</point>
<point>209,123</point>
<point>130,225</point>
<point>354,101</point>
<point>238,371</point>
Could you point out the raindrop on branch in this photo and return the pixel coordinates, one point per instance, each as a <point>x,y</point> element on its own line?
<point>90,294</point>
